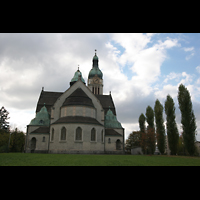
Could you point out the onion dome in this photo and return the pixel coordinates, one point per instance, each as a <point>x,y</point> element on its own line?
<point>42,118</point>
<point>76,77</point>
<point>78,97</point>
<point>95,68</point>
<point>111,120</point>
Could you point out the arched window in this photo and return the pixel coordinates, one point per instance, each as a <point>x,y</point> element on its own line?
<point>43,139</point>
<point>63,134</point>
<point>109,141</point>
<point>118,145</point>
<point>52,134</point>
<point>78,133</point>
<point>93,134</point>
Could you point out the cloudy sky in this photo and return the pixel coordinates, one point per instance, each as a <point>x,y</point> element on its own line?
<point>137,69</point>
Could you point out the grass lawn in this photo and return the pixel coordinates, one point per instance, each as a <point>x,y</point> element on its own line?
<point>26,159</point>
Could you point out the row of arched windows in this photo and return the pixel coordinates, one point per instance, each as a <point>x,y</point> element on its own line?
<point>78,134</point>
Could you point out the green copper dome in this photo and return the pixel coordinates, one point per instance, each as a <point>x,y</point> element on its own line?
<point>95,68</point>
<point>95,57</point>
<point>95,71</point>
<point>42,118</point>
<point>76,76</point>
<point>111,120</point>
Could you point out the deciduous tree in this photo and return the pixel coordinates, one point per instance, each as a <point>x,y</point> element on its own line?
<point>160,129</point>
<point>150,130</point>
<point>143,137</point>
<point>4,124</point>
<point>172,131</point>
<point>187,119</point>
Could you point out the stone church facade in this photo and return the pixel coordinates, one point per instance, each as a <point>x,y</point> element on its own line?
<point>80,120</point>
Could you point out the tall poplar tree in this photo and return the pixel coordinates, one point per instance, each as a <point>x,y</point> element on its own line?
<point>160,129</point>
<point>187,119</point>
<point>143,142</point>
<point>172,131</point>
<point>150,130</point>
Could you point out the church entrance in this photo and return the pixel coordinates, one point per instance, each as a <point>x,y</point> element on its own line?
<point>33,144</point>
<point>118,145</point>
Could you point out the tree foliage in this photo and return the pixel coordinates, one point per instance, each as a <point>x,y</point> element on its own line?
<point>133,140</point>
<point>150,116</point>
<point>187,119</point>
<point>4,124</point>
<point>143,137</point>
<point>172,131</point>
<point>17,141</point>
<point>142,122</point>
<point>151,140</point>
<point>160,129</point>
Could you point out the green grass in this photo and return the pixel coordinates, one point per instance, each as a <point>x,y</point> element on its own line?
<point>25,159</point>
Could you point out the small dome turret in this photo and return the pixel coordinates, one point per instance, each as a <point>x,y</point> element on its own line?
<point>76,77</point>
<point>42,118</point>
<point>111,120</point>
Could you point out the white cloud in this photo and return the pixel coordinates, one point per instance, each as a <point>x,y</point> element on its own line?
<point>188,49</point>
<point>198,69</point>
<point>30,61</point>
<point>172,76</point>
<point>172,90</point>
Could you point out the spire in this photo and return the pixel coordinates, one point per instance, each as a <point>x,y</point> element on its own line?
<point>95,60</point>
<point>95,68</point>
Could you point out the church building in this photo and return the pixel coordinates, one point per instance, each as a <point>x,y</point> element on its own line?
<point>80,120</point>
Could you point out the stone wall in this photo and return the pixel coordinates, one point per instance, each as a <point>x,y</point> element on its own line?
<point>71,144</point>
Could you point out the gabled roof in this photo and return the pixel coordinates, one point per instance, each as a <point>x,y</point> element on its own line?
<point>49,98</point>
<point>107,102</point>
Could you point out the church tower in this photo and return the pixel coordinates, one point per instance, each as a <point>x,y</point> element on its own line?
<point>95,81</point>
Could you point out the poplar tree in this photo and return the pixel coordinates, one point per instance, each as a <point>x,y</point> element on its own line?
<point>172,131</point>
<point>160,129</point>
<point>150,129</point>
<point>187,119</point>
<point>143,142</point>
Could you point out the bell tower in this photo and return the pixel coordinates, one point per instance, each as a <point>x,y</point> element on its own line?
<point>95,81</point>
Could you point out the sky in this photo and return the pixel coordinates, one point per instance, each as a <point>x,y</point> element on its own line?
<point>138,68</point>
